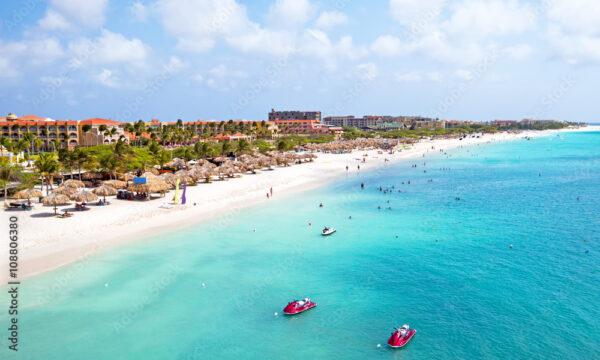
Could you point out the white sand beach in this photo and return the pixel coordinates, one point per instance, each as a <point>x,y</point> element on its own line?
<point>47,242</point>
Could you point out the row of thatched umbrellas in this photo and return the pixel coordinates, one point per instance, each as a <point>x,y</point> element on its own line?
<point>203,170</point>
<point>362,143</point>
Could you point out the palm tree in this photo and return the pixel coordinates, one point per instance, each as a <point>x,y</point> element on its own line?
<point>108,163</point>
<point>56,144</point>
<point>46,165</point>
<point>226,147</point>
<point>29,139</point>
<point>79,159</point>
<point>162,158</point>
<point>9,173</point>
<point>101,129</point>
<point>6,143</point>
<point>243,146</point>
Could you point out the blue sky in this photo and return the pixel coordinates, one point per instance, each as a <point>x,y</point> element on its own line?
<point>220,59</point>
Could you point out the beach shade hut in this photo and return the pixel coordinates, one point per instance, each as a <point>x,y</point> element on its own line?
<point>196,173</point>
<point>83,196</point>
<point>153,171</point>
<point>169,178</point>
<point>65,190</point>
<point>149,175</point>
<point>117,184</point>
<point>125,177</point>
<point>184,177</point>
<point>28,194</point>
<point>158,185</point>
<point>55,199</point>
<point>73,183</point>
<point>139,188</point>
<point>177,162</point>
<point>105,190</point>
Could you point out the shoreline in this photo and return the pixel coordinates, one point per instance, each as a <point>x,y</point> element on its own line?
<point>49,243</point>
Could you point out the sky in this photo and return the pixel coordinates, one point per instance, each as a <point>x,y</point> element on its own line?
<point>475,60</point>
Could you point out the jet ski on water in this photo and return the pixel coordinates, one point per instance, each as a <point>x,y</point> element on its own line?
<point>298,306</point>
<point>401,336</point>
<point>328,231</point>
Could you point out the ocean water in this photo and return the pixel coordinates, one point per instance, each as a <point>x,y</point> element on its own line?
<point>444,266</point>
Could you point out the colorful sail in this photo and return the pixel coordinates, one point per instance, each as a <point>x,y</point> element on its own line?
<point>176,196</point>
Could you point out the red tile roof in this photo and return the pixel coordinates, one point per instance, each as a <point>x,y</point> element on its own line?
<point>99,121</point>
<point>31,117</point>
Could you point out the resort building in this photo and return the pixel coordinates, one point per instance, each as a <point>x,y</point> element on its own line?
<point>51,133</point>
<point>101,131</point>
<point>294,115</point>
<point>364,122</point>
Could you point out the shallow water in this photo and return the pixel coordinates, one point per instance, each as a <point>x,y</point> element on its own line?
<point>442,265</point>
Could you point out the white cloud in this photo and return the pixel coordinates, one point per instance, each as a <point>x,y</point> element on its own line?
<point>367,71</point>
<point>221,71</point>
<point>111,48</point>
<point>482,19</point>
<point>263,40</point>
<point>387,45</point>
<point>580,17</point>
<point>54,21</point>
<point>329,19</point>
<point>435,76</point>
<point>417,15</point>
<point>107,78</point>
<point>197,23</point>
<point>139,11</point>
<point>574,30</point>
<point>464,74</point>
<point>407,77</point>
<point>221,78</point>
<point>290,13</point>
<point>518,52</point>
<point>28,53</point>
<point>62,14</point>
<point>6,69</point>
<point>174,65</point>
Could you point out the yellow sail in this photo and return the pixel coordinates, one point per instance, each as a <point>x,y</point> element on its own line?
<point>176,197</point>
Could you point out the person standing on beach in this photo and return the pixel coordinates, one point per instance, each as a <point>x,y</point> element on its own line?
<point>271,192</point>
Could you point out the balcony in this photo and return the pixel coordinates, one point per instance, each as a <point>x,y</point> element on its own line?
<point>52,136</point>
<point>72,128</point>
<point>72,142</point>
<point>23,129</point>
<point>5,128</point>
<point>52,128</point>
<point>62,128</point>
<point>63,136</point>
<point>32,129</point>
<point>73,136</point>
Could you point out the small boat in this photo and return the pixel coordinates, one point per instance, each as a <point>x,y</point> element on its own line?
<point>328,231</point>
<point>401,336</point>
<point>298,306</point>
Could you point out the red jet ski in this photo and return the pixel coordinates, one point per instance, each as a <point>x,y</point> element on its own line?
<point>401,337</point>
<point>298,306</point>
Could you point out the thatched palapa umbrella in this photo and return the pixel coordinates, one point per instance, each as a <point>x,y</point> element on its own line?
<point>117,184</point>
<point>65,190</point>
<point>55,199</point>
<point>27,194</point>
<point>84,196</point>
<point>73,183</point>
<point>105,190</point>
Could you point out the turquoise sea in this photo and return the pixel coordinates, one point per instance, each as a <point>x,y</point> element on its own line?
<point>444,266</point>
